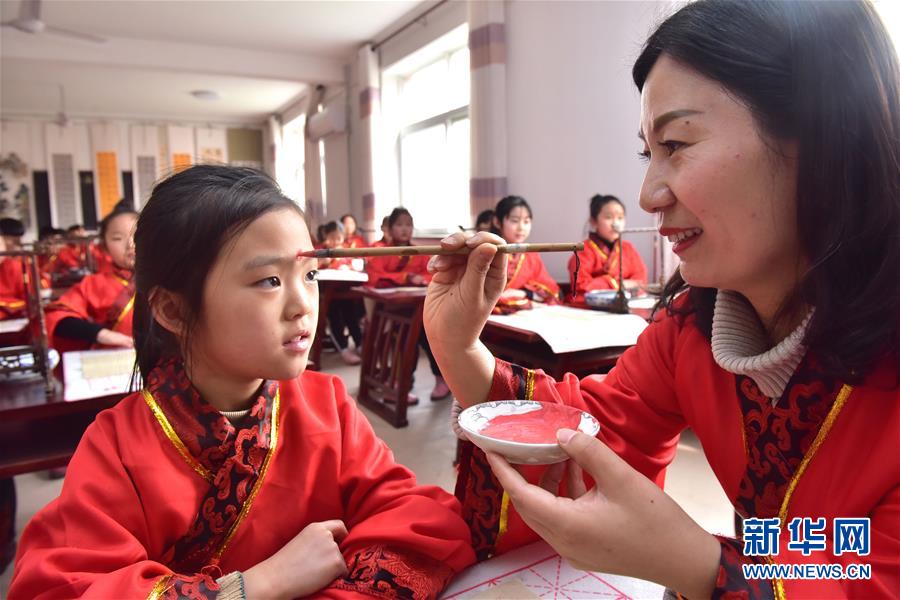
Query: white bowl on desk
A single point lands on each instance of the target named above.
(476, 419)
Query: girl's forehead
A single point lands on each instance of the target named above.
(519, 212)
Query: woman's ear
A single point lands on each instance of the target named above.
(167, 309)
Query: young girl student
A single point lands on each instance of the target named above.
(396, 271)
(778, 338)
(352, 239)
(97, 311)
(343, 313)
(234, 473)
(527, 279)
(601, 258)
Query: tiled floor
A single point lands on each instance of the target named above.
(427, 446)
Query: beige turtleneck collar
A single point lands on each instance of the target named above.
(740, 345)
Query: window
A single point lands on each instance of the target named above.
(289, 168)
(426, 115)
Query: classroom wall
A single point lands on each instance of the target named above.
(573, 111)
(108, 148)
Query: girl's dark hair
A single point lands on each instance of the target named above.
(485, 216)
(349, 216)
(188, 219)
(396, 214)
(118, 211)
(506, 206)
(598, 201)
(824, 75)
(330, 227)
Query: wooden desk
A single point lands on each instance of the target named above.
(39, 432)
(331, 287)
(528, 349)
(537, 571)
(390, 352)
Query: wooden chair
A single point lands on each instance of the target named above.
(390, 355)
(31, 355)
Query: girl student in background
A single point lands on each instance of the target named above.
(396, 271)
(234, 473)
(97, 311)
(527, 279)
(352, 238)
(777, 339)
(601, 258)
(343, 313)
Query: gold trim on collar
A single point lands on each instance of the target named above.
(516, 270)
(529, 384)
(273, 444)
(160, 588)
(842, 397)
(173, 437)
(124, 312)
(602, 254)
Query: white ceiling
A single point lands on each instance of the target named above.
(259, 56)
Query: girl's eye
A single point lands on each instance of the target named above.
(312, 275)
(269, 282)
(644, 155)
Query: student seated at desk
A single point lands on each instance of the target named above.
(97, 311)
(343, 313)
(352, 239)
(385, 234)
(12, 230)
(72, 255)
(398, 271)
(600, 260)
(235, 473)
(12, 285)
(484, 221)
(527, 279)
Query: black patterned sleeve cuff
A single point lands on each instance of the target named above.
(730, 580)
(384, 573)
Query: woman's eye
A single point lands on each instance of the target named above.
(312, 275)
(644, 155)
(671, 146)
(269, 282)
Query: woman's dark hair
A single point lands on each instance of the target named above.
(598, 201)
(485, 216)
(396, 214)
(188, 219)
(506, 206)
(824, 75)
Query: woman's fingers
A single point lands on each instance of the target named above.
(575, 480)
(552, 477)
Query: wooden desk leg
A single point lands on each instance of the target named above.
(315, 352)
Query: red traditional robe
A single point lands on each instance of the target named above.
(395, 271)
(103, 262)
(164, 494)
(355, 241)
(599, 267)
(12, 288)
(102, 298)
(826, 450)
(71, 256)
(526, 271)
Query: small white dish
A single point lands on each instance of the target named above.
(524, 431)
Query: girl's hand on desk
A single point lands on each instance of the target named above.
(305, 565)
(463, 290)
(625, 525)
(107, 337)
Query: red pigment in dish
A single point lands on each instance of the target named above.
(535, 427)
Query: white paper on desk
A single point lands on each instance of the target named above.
(13, 325)
(341, 275)
(539, 569)
(567, 329)
(95, 373)
(406, 289)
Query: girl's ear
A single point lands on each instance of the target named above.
(167, 309)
